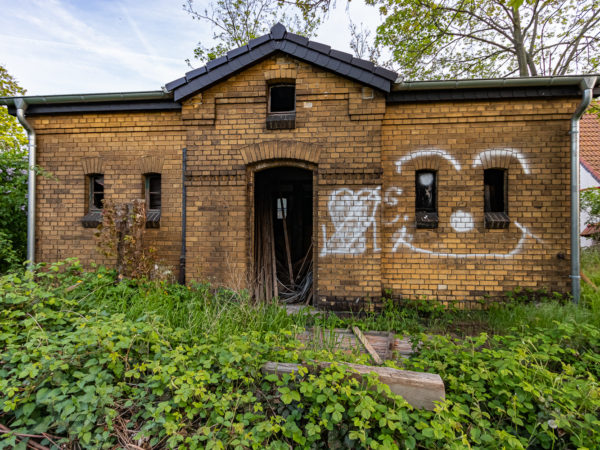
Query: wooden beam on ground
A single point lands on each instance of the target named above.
(419, 389)
(367, 345)
(384, 343)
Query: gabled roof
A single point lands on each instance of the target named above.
(589, 144)
(281, 40)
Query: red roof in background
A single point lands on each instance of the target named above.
(592, 229)
(589, 144)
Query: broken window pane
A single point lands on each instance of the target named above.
(426, 190)
(282, 208)
(96, 191)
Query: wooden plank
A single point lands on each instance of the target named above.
(342, 339)
(419, 389)
(367, 345)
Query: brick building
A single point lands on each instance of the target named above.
(306, 162)
(589, 159)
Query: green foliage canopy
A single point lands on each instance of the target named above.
(433, 39)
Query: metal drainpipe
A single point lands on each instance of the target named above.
(587, 85)
(21, 106)
(183, 218)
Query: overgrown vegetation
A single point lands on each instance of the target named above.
(90, 362)
(13, 181)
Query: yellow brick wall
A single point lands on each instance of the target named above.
(531, 141)
(123, 146)
(226, 127)
(363, 154)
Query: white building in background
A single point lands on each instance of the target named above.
(589, 162)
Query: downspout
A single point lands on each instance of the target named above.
(587, 85)
(183, 218)
(21, 106)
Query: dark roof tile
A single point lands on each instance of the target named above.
(319, 47)
(278, 31)
(175, 83)
(259, 41)
(296, 38)
(237, 52)
(364, 64)
(195, 73)
(343, 56)
(214, 63)
(385, 73)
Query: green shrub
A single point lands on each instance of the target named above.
(88, 373)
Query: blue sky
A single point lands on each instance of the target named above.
(84, 46)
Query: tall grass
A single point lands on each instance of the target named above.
(198, 308)
(221, 313)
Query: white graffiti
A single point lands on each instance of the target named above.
(462, 221)
(390, 199)
(352, 214)
(502, 153)
(403, 239)
(426, 153)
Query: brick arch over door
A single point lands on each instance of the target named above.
(280, 150)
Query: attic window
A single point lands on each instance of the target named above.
(282, 107)
(495, 198)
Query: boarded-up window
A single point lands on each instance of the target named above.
(426, 199)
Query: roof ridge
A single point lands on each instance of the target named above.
(279, 39)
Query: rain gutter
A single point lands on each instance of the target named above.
(587, 86)
(489, 83)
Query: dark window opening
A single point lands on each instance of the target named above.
(282, 107)
(95, 189)
(282, 98)
(153, 200)
(494, 182)
(426, 199)
(495, 198)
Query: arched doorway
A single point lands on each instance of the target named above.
(283, 234)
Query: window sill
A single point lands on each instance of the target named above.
(153, 219)
(281, 121)
(426, 220)
(92, 219)
(496, 220)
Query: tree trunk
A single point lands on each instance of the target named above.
(520, 45)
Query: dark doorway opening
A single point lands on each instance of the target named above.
(283, 219)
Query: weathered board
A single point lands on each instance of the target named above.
(384, 343)
(419, 389)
